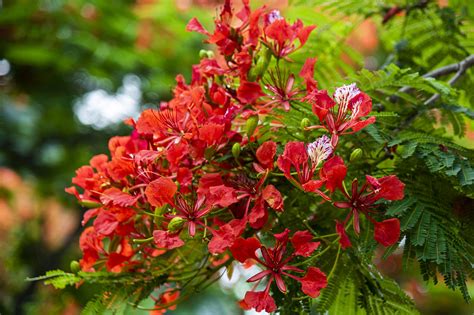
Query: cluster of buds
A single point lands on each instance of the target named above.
(195, 170)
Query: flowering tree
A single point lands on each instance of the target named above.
(253, 163)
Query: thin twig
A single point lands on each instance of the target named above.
(460, 68)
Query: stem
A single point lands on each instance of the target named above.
(335, 262)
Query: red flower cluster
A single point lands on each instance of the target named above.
(276, 262)
(195, 170)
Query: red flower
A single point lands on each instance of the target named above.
(276, 260)
(280, 36)
(352, 106)
(266, 155)
(165, 239)
(281, 87)
(364, 200)
(249, 92)
(226, 236)
(192, 210)
(343, 238)
(387, 232)
(160, 191)
(313, 282)
(307, 73)
(296, 156)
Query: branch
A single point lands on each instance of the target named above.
(460, 68)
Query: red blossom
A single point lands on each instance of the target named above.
(280, 36)
(276, 264)
(114, 196)
(273, 197)
(260, 301)
(352, 105)
(364, 200)
(160, 191)
(249, 92)
(302, 244)
(387, 232)
(165, 239)
(313, 282)
(343, 238)
(266, 154)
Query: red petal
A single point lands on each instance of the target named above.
(304, 33)
(334, 171)
(296, 152)
(225, 236)
(266, 154)
(244, 249)
(249, 92)
(391, 188)
(280, 283)
(302, 244)
(307, 71)
(160, 191)
(105, 223)
(273, 197)
(322, 102)
(313, 282)
(343, 238)
(260, 301)
(222, 195)
(387, 232)
(258, 215)
(114, 196)
(313, 185)
(211, 133)
(195, 26)
(148, 122)
(164, 239)
(362, 124)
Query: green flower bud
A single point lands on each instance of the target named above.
(159, 211)
(236, 150)
(251, 125)
(261, 66)
(206, 54)
(75, 266)
(176, 224)
(305, 122)
(355, 155)
(89, 204)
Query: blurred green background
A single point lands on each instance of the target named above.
(70, 72)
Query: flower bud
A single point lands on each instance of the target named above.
(251, 125)
(305, 122)
(75, 266)
(159, 211)
(355, 155)
(236, 150)
(206, 54)
(260, 67)
(90, 204)
(176, 224)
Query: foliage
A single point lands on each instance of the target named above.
(422, 105)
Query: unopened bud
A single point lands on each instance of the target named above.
(206, 54)
(159, 211)
(355, 155)
(261, 66)
(75, 266)
(236, 150)
(90, 204)
(176, 224)
(251, 125)
(305, 122)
